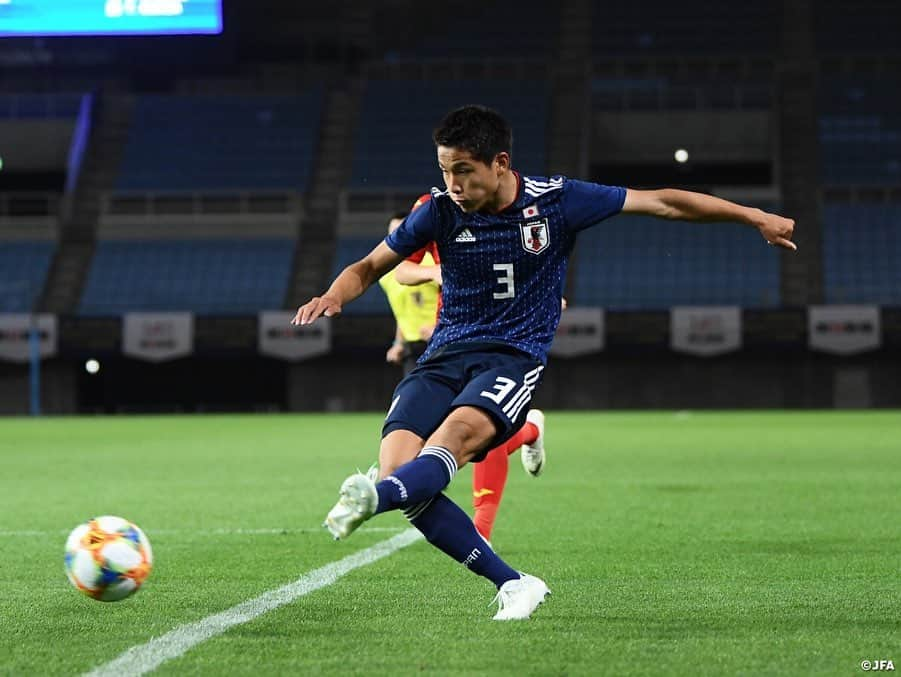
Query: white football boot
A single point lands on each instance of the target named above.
(517, 599)
(358, 501)
(532, 455)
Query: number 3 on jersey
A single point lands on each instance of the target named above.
(505, 280)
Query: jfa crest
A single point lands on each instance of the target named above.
(535, 238)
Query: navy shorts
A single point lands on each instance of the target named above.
(499, 381)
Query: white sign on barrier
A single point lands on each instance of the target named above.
(277, 337)
(705, 330)
(844, 330)
(580, 332)
(157, 337)
(15, 336)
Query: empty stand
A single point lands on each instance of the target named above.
(639, 262)
(394, 142)
(198, 143)
(862, 253)
(700, 27)
(663, 93)
(350, 249)
(860, 131)
(493, 29)
(222, 277)
(23, 269)
(861, 27)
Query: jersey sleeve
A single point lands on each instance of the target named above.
(586, 204)
(415, 232)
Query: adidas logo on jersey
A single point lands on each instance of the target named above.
(465, 236)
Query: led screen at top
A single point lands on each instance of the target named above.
(109, 17)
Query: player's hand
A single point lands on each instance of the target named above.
(317, 306)
(564, 304)
(437, 270)
(425, 333)
(777, 230)
(395, 354)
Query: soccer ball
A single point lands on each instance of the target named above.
(108, 558)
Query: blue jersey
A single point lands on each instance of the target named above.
(504, 273)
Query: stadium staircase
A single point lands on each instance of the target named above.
(570, 124)
(799, 154)
(68, 272)
(312, 265)
(569, 137)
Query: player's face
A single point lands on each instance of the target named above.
(472, 184)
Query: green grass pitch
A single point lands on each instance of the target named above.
(692, 543)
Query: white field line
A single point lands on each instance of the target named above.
(206, 532)
(143, 658)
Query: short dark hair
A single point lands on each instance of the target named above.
(480, 131)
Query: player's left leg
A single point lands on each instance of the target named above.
(416, 487)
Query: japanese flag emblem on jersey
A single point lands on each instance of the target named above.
(530, 212)
(535, 237)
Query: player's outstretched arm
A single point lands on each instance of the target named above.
(350, 283)
(684, 205)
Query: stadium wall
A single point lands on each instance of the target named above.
(637, 370)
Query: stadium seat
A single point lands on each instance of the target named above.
(394, 140)
(860, 131)
(209, 143)
(862, 253)
(23, 269)
(348, 250)
(215, 277)
(642, 263)
(700, 27)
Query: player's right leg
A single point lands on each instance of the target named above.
(533, 455)
(419, 404)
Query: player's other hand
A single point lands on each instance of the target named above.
(777, 230)
(395, 354)
(317, 306)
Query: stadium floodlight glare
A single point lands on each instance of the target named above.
(92, 366)
(681, 156)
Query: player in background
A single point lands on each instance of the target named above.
(504, 241)
(422, 269)
(414, 310)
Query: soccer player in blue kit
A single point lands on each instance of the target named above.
(504, 241)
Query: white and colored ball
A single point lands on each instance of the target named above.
(108, 558)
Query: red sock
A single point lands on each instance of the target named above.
(490, 476)
(488, 480)
(526, 435)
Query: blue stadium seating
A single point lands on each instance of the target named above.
(214, 277)
(639, 263)
(23, 269)
(703, 27)
(494, 29)
(862, 253)
(860, 132)
(677, 94)
(40, 106)
(373, 301)
(197, 143)
(394, 141)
